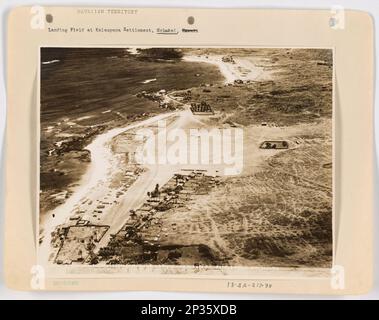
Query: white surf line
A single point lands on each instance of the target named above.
(133, 51)
(51, 61)
(101, 163)
(224, 68)
(149, 80)
(230, 71)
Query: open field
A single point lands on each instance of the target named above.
(275, 212)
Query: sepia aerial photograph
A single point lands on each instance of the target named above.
(186, 156)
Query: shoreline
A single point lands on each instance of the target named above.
(208, 220)
(231, 71)
(100, 163)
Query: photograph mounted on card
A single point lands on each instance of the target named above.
(185, 155)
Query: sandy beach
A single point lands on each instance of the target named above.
(242, 68)
(123, 212)
(93, 183)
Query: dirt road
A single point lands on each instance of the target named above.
(137, 193)
(92, 185)
(104, 165)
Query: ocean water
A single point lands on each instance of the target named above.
(81, 81)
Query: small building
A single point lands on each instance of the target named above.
(274, 144)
